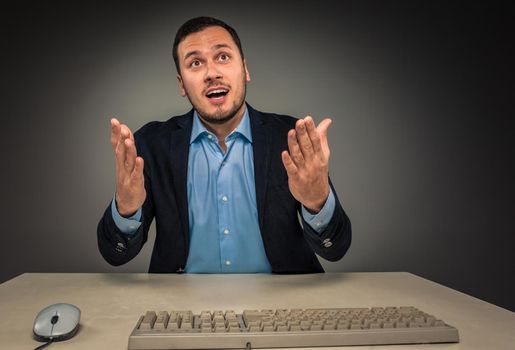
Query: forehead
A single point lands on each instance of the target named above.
(205, 40)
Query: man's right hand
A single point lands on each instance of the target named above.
(130, 182)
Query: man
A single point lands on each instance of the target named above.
(224, 182)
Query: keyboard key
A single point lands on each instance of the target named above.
(234, 329)
(329, 326)
(219, 329)
(148, 320)
(316, 327)
(161, 320)
(254, 329)
(253, 315)
(281, 328)
(268, 328)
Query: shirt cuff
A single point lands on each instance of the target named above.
(129, 225)
(320, 220)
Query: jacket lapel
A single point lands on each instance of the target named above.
(179, 152)
(261, 147)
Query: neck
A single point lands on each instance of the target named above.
(223, 130)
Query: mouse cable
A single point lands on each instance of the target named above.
(44, 345)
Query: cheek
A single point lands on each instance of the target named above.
(193, 86)
(237, 77)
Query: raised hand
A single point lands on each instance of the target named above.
(130, 183)
(307, 163)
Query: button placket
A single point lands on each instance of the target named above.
(223, 184)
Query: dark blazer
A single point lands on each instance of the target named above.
(164, 146)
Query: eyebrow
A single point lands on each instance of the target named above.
(214, 47)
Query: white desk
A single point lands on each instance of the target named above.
(112, 303)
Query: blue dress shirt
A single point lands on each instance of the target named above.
(223, 219)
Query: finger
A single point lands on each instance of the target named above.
(121, 149)
(322, 132)
(323, 126)
(130, 155)
(289, 165)
(126, 132)
(303, 139)
(293, 146)
(313, 134)
(137, 172)
(115, 132)
(120, 157)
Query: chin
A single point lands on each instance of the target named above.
(218, 117)
(218, 114)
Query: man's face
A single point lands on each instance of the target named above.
(212, 74)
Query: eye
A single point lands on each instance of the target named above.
(223, 57)
(195, 63)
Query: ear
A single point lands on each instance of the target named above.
(247, 74)
(181, 85)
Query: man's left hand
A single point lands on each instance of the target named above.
(307, 163)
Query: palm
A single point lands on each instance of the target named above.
(307, 163)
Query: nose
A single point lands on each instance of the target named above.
(212, 71)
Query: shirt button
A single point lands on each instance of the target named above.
(226, 231)
(209, 136)
(224, 162)
(225, 199)
(227, 262)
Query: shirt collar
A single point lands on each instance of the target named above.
(243, 128)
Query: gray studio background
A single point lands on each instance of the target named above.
(421, 96)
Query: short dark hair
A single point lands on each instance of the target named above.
(196, 25)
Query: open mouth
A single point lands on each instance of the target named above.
(217, 93)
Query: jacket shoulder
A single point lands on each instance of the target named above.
(158, 129)
(274, 120)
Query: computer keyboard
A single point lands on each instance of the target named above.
(288, 328)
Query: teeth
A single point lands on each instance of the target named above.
(216, 91)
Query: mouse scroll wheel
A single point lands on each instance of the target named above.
(54, 319)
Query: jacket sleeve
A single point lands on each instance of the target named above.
(332, 243)
(116, 247)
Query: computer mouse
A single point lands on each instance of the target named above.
(57, 322)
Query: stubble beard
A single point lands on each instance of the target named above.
(219, 116)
